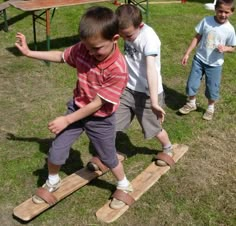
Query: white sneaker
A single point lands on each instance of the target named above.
(187, 108)
(208, 115)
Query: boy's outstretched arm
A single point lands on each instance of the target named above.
(152, 78)
(192, 45)
(21, 44)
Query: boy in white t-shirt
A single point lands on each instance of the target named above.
(215, 36)
(144, 95)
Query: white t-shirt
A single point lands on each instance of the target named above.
(147, 43)
(214, 34)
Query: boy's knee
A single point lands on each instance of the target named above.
(111, 163)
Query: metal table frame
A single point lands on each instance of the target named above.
(144, 7)
(43, 16)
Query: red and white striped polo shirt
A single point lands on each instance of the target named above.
(106, 79)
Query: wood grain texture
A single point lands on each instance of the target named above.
(140, 184)
(34, 5)
(28, 209)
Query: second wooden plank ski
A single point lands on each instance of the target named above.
(140, 184)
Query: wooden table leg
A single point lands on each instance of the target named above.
(48, 28)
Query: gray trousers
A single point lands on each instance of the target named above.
(101, 132)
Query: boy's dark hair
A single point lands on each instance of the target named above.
(98, 20)
(225, 2)
(129, 15)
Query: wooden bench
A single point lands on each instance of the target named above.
(44, 6)
(3, 12)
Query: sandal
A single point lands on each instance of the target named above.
(44, 194)
(164, 159)
(120, 197)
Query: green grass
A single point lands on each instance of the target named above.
(199, 190)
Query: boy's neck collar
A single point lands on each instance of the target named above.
(110, 59)
(215, 18)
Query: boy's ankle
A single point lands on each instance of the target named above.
(192, 102)
(167, 149)
(128, 188)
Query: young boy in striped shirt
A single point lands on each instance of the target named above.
(101, 79)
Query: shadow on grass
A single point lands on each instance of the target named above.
(74, 161)
(125, 146)
(14, 19)
(175, 100)
(72, 164)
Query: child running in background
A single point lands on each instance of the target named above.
(144, 95)
(215, 36)
(102, 77)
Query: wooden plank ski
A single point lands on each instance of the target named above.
(140, 184)
(28, 209)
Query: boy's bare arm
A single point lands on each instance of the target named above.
(226, 49)
(21, 44)
(192, 46)
(152, 78)
(60, 123)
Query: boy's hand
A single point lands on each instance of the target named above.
(21, 44)
(221, 48)
(185, 60)
(159, 112)
(58, 124)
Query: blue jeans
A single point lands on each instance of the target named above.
(212, 79)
